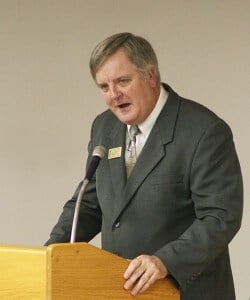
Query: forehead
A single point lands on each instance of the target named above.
(116, 65)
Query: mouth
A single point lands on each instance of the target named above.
(123, 105)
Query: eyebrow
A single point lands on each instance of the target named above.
(116, 80)
(101, 85)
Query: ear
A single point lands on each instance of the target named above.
(152, 77)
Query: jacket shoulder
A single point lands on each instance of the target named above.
(190, 110)
(105, 121)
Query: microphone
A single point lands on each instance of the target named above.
(98, 153)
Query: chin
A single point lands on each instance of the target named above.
(125, 120)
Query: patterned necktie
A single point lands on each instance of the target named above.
(133, 131)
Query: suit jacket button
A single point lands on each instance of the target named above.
(117, 224)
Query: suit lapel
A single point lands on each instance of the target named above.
(153, 151)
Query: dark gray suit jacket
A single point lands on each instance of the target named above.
(182, 202)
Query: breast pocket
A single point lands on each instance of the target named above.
(169, 188)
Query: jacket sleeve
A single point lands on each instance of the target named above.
(217, 194)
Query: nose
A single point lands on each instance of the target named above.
(115, 93)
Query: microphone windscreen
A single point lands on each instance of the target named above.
(98, 153)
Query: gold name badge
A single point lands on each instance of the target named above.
(115, 153)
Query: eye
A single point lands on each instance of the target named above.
(104, 87)
(123, 81)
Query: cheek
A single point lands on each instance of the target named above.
(132, 95)
(106, 99)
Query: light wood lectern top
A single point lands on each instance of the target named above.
(69, 272)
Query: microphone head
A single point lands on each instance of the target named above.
(99, 151)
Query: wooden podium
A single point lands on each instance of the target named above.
(69, 272)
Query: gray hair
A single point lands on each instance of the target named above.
(138, 50)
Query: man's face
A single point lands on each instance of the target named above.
(127, 93)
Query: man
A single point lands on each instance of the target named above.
(176, 211)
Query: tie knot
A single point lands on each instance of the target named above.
(133, 131)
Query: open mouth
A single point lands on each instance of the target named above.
(124, 105)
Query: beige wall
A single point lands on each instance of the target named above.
(48, 99)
